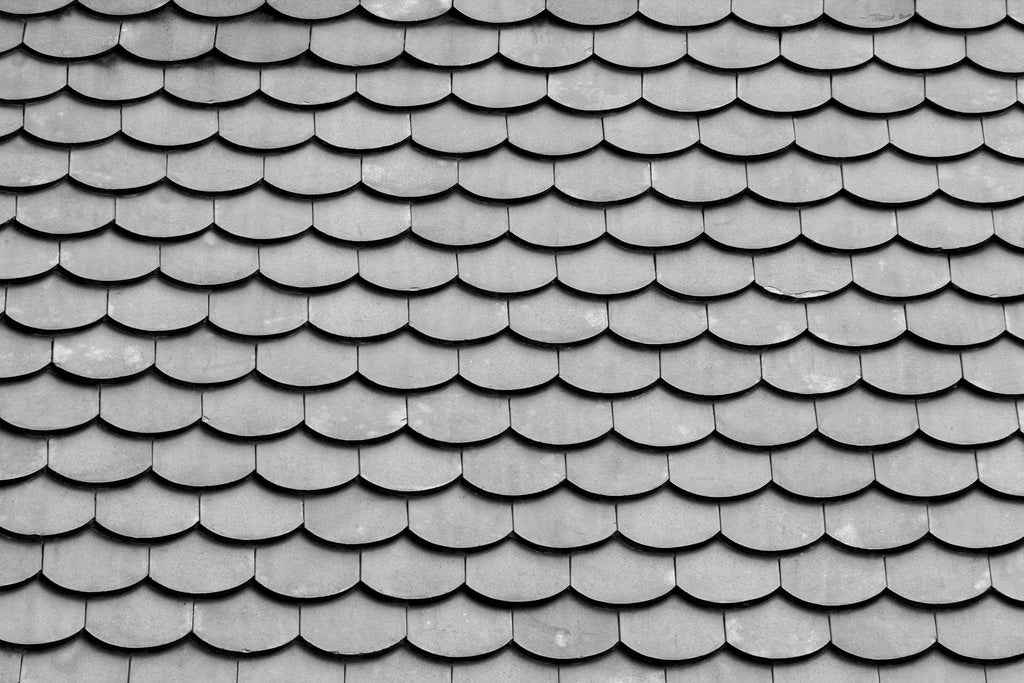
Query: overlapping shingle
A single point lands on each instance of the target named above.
(567, 340)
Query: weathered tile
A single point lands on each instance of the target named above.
(875, 521)
(719, 574)
(24, 76)
(49, 211)
(167, 36)
(403, 84)
(917, 46)
(930, 574)
(565, 629)
(658, 418)
(908, 368)
(89, 257)
(456, 414)
(252, 409)
(556, 223)
(279, 41)
(451, 41)
(353, 412)
(292, 661)
(776, 629)
(709, 368)
(963, 418)
(45, 403)
(399, 665)
(733, 45)
(74, 659)
(112, 79)
(875, 89)
(494, 85)
(554, 316)
(826, 46)
(898, 271)
(756, 319)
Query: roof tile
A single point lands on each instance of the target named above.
(115, 80)
(248, 512)
(43, 506)
(605, 366)
(268, 624)
(772, 522)
(667, 519)
(817, 469)
(25, 255)
(45, 403)
(976, 520)
(776, 629)
(513, 573)
(128, 510)
(196, 564)
(826, 46)
(810, 576)
(699, 470)
(24, 76)
(733, 45)
(932, 575)
(282, 40)
(296, 567)
(96, 456)
(345, 625)
(836, 133)
(882, 630)
(875, 521)
(22, 354)
(566, 628)
(988, 629)
(875, 89)
(292, 661)
(658, 418)
(688, 88)
(403, 84)
(654, 317)
(62, 618)
(738, 131)
(301, 463)
(435, 128)
(469, 628)
(91, 563)
(997, 467)
(763, 89)
(167, 36)
(457, 314)
(582, 521)
(616, 574)
(304, 81)
(163, 212)
(506, 467)
(455, 414)
(496, 86)
(402, 464)
(920, 469)
(917, 46)
(860, 418)
(69, 120)
(141, 618)
(198, 458)
(355, 514)
(751, 224)
(449, 41)
(403, 569)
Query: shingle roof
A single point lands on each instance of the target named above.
(511, 340)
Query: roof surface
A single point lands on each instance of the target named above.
(511, 340)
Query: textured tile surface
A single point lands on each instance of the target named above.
(486, 340)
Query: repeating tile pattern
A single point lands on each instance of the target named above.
(487, 340)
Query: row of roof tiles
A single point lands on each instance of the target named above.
(80, 656)
(457, 518)
(552, 316)
(405, 362)
(713, 469)
(545, 130)
(695, 176)
(357, 41)
(589, 87)
(297, 568)
(564, 629)
(958, 14)
(457, 221)
(698, 270)
(554, 416)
